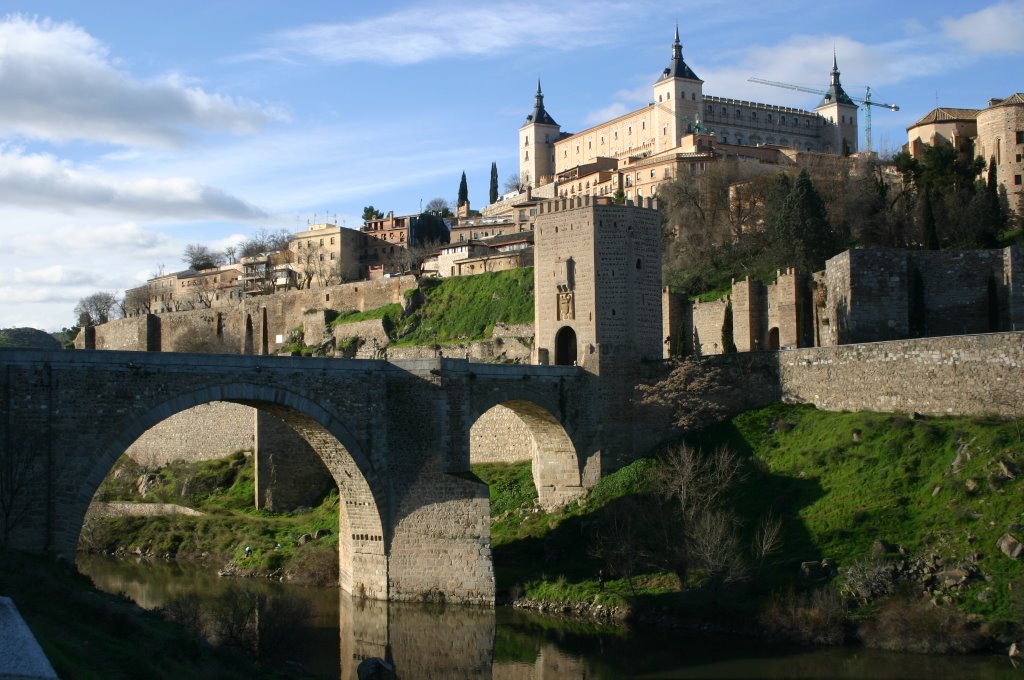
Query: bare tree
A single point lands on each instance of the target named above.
(704, 534)
(264, 241)
(438, 206)
(704, 391)
(197, 256)
(767, 538)
(136, 301)
(696, 480)
(20, 469)
(100, 307)
(516, 182)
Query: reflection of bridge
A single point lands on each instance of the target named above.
(395, 438)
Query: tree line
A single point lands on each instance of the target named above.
(730, 222)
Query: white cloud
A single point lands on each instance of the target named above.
(126, 238)
(43, 182)
(59, 83)
(418, 34)
(995, 29)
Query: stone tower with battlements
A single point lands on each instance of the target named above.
(597, 305)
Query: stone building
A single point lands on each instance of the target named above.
(861, 296)
(325, 254)
(681, 126)
(995, 132)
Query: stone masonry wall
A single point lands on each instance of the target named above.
(707, 319)
(499, 436)
(955, 290)
(202, 432)
(962, 375)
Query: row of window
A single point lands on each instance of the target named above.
(682, 95)
(793, 120)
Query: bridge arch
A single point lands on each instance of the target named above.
(521, 426)
(363, 542)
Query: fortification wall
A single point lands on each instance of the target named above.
(962, 375)
(122, 334)
(202, 432)
(957, 289)
(706, 321)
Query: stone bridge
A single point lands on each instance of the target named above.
(413, 521)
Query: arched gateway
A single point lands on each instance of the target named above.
(393, 436)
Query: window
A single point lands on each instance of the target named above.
(654, 173)
(782, 120)
(332, 256)
(668, 95)
(332, 240)
(738, 114)
(693, 96)
(769, 117)
(753, 115)
(527, 140)
(1020, 136)
(659, 97)
(1016, 180)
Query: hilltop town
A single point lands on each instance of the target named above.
(870, 254)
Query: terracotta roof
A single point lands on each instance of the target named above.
(946, 115)
(1016, 98)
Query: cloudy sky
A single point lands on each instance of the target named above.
(130, 129)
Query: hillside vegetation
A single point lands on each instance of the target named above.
(223, 490)
(456, 309)
(908, 510)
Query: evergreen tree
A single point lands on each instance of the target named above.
(463, 191)
(803, 233)
(493, 195)
(929, 232)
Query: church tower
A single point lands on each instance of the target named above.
(537, 139)
(841, 112)
(678, 97)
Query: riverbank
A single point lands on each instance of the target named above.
(892, 532)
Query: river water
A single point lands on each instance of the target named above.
(329, 634)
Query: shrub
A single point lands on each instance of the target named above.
(867, 579)
(314, 565)
(905, 625)
(816, 618)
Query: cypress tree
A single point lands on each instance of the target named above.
(930, 232)
(463, 191)
(803, 227)
(494, 182)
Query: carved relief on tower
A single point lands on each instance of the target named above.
(565, 281)
(566, 305)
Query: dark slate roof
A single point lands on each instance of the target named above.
(835, 92)
(677, 68)
(539, 115)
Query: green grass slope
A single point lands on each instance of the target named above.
(838, 481)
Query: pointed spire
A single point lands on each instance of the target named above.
(539, 115)
(677, 68)
(835, 93)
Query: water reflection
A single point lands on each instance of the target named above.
(432, 641)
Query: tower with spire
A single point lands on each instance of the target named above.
(840, 111)
(537, 139)
(678, 97)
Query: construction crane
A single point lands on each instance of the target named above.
(866, 101)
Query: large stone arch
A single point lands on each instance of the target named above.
(363, 540)
(553, 453)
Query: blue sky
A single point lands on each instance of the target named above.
(128, 129)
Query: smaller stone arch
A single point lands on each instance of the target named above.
(520, 429)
